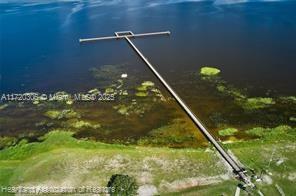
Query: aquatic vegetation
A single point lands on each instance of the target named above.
(257, 103)
(122, 109)
(109, 90)
(133, 108)
(44, 123)
(124, 93)
(176, 134)
(228, 132)
(141, 94)
(142, 88)
(271, 132)
(78, 124)
(7, 141)
(209, 71)
(240, 98)
(257, 131)
(147, 83)
(221, 88)
(159, 94)
(231, 91)
(290, 99)
(146, 87)
(60, 114)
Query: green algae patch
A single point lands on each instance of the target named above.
(142, 88)
(290, 99)
(122, 109)
(145, 86)
(221, 88)
(257, 103)
(109, 90)
(141, 94)
(276, 132)
(227, 132)
(256, 131)
(147, 83)
(78, 124)
(7, 141)
(61, 114)
(53, 114)
(177, 134)
(231, 91)
(209, 71)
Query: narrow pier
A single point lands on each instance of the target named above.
(237, 169)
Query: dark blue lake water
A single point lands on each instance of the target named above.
(252, 43)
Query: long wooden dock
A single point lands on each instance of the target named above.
(125, 34)
(237, 169)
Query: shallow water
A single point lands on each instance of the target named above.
(253, 44)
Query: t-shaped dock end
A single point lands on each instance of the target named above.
(125, 34)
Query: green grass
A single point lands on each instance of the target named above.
(62, 159)
(226, 188)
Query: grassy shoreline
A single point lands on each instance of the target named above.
(187, 171)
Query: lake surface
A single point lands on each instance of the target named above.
(252, 43)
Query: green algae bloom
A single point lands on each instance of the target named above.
(147, 83)
(142, 88)
(291, 99)
(257, 103)
(233, 92)
(209, 71)
(221, 88)
(228, 132)
(142, 94)
(7, 141)
(256, 131)
(109, 90)
(123, 110)
(270, 132)
(78, 124)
